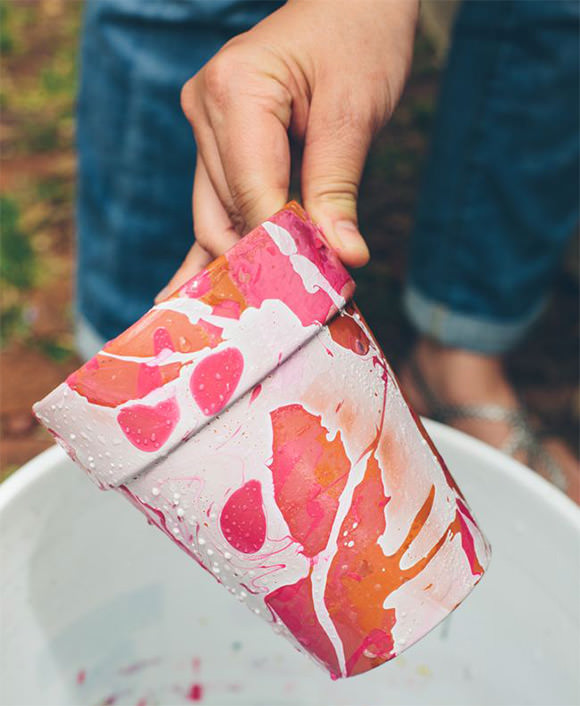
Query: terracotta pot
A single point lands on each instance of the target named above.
(254, 419)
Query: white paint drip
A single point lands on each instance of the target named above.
(175, 357)
(193, 308)
(312, 278)
(282, 238)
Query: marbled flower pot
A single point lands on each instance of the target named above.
(254, 419)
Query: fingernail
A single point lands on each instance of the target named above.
(349, 238)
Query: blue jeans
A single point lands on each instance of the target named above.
(500, 194)
(136, 149)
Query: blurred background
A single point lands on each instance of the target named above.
(38, 46)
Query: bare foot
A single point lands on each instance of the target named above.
(460, 377)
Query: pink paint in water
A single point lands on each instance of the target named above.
(138, 666)
(148, 428)
(215, 379)
(242, 520)
(195, 693)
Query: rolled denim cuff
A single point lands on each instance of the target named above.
(88, 342)
(470, 332)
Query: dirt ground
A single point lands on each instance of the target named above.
(38, 45)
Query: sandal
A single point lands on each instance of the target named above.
(522, 438)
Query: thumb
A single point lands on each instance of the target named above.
(335, 151)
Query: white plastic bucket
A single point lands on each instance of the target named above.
(87, 619)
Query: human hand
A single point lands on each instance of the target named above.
(328, 73)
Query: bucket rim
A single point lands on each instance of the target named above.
(525, 476)
(45, 462)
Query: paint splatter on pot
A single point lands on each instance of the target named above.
(254, 419)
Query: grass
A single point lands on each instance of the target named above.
(18, 264)
(38, 44)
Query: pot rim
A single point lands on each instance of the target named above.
(287, 280)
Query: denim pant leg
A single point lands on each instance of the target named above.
(500, 196)
(136, 149)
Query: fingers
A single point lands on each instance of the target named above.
(334, 155)
(196, 259)
(213, 227)
(214, 232)
(254, 146)
(240, 116)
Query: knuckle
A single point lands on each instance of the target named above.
(239, 211)
(244, 203)
(219, 78)
(206, 241)
(188, 99)
(364, 123)
(247, 191)
(203, 237)
(361, 116)
(339, 192)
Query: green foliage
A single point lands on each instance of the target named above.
(54, 190)
(59, 78)
(12, 324)
(42, 138)
(39, 87)
(15, 19)
(56, 349)
(6, 36)
(17, 258)
(38, 43)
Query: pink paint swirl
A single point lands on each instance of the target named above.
(149, 427)
(215, 379)
(243, 521)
